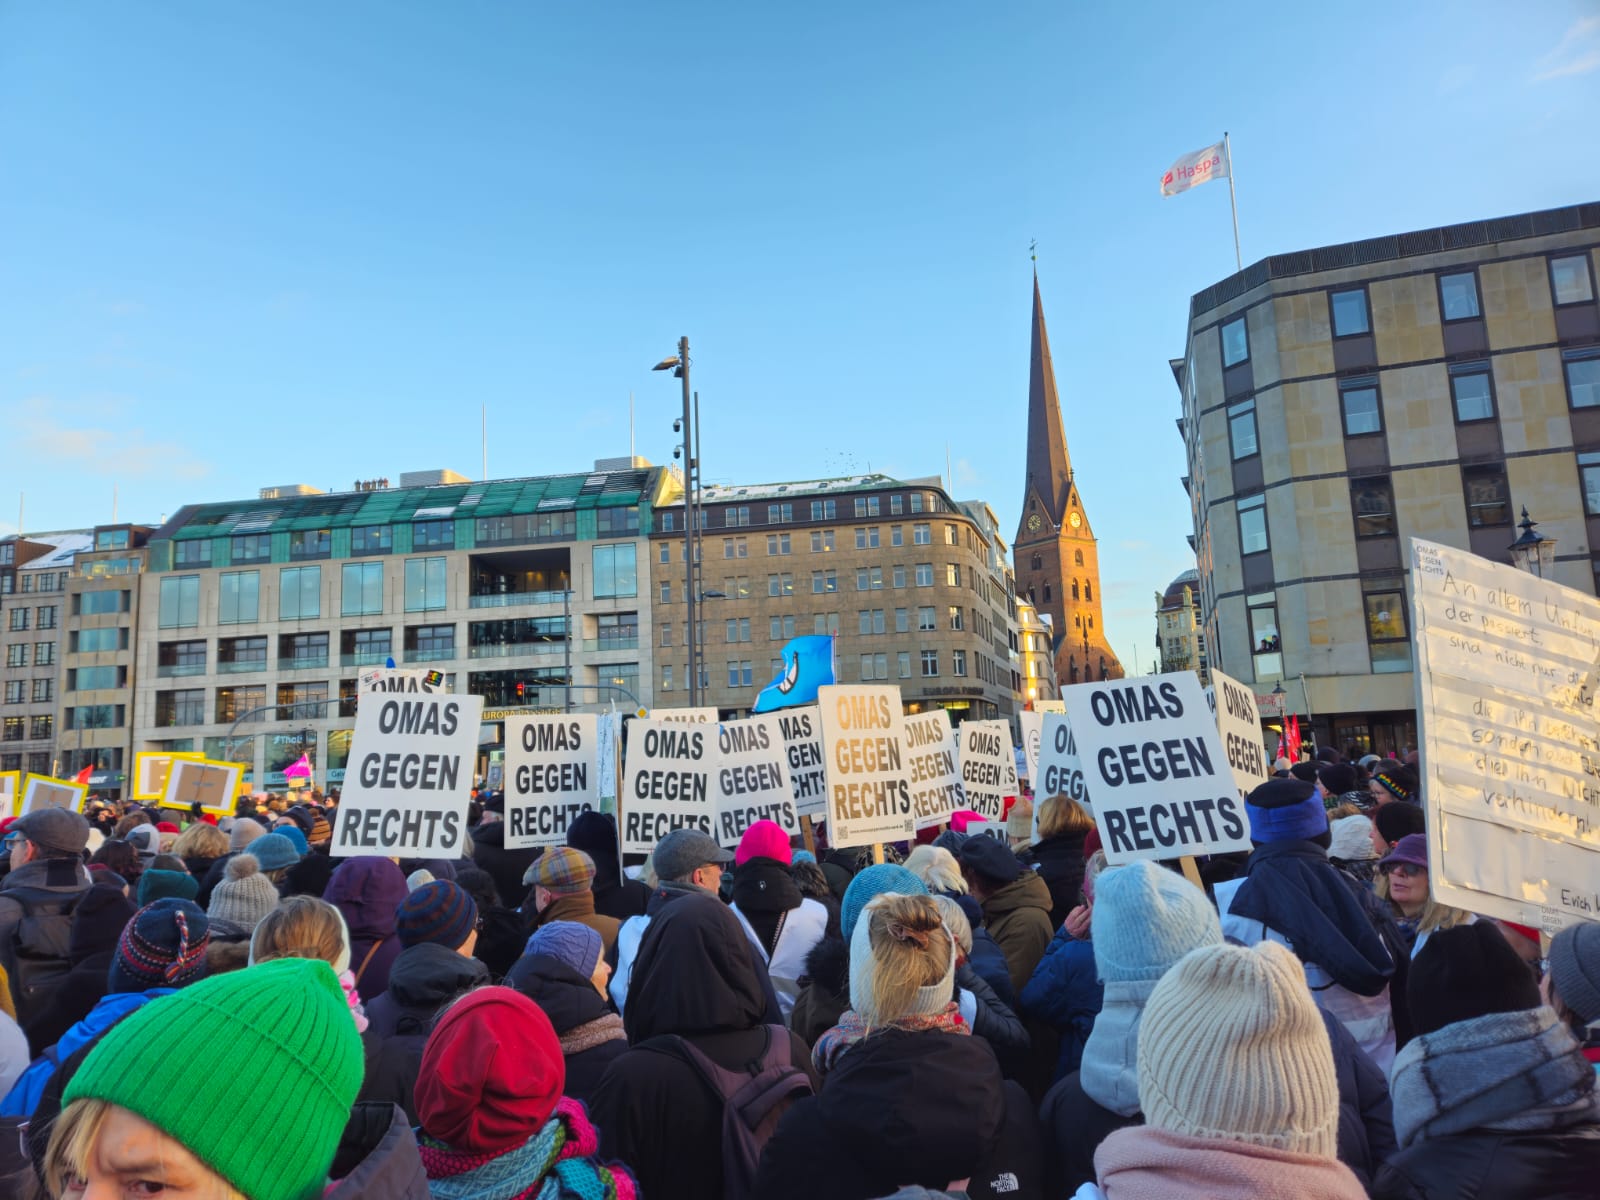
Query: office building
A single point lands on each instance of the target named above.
(34, 572)
(1180, 638)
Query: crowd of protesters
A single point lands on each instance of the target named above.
(199, 1008)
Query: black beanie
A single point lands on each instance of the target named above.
(1337, 778)
(1327, 754)
(1466, 972)
(98, 921)
(1396, 820)
(1305, 772)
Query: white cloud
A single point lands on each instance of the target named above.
(43, 431)
(1577, 53)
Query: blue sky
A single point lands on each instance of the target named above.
(251, 244)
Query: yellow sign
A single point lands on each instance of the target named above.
(211, 785)
(150, 770)
(10, 792)
(41, 791)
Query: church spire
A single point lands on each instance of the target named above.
(1049, 466)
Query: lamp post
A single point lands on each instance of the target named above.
(1532, 552)
(679, 366)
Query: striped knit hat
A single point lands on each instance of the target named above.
(164, 946)
(440, 912)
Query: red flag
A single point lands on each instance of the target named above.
(1294, 739)
(83, 776)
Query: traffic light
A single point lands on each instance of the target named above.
(521, 687)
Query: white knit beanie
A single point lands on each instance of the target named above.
(929, 1001)
(1233, 1048)
(1352, 839)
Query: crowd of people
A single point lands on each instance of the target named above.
(204, 1008)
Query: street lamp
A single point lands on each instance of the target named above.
(679, 366)
(1532, 552)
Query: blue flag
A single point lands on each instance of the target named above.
(807, 665)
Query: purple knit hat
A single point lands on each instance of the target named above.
(163, 946)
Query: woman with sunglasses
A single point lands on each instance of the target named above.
(1403, 882)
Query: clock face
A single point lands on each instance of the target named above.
(1033, 521)
(1074, 520)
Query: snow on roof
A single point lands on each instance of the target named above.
(67, 547)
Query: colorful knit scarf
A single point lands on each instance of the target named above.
(554, 1164)
(852, 1029)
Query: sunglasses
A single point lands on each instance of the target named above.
(1405, 870)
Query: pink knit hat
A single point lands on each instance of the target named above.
(764, 839)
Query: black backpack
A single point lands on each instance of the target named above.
(36, 952)
(753, 1099)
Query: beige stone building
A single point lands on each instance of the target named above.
(34, 572)
(1180, 638)
(1036, 662)
(1337, 402)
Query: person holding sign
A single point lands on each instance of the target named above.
(1015, 902)
(781, 922)
(1057, 853)
(1291, 894)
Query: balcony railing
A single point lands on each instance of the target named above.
(238, 665)
(510, 599)
(302, 662)
(597, 645)
(175, 670)
(514, 649)
(365, 658)
(416, 656)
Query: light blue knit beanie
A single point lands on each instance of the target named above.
(1145, 919)
(871, 883)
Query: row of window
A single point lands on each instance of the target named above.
(738, 516)
(36, 763)
(36, 582)
(868, 537)
(44, 654)
(22, 729)
(25, 691)
(1571, 282)
(1383, 607)
(23, 617)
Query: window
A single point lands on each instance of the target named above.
(430, 643)
(738, 629)
(824, 510)
(896, 505)
(930, 663)
(903, 664)
(1253, 525)
(1349, 312)
(741, 674)
(1387, 638)
(924, 574)
(902, 620)
(1583, 377)
(869, 579)
(781, 628)
(186, 707)
(666, 678)
(297, 651)
(958, 662)
(921, 534)
(46, 614)
(952, 574)
(952, 535)
(866, 537)
(872, 620)
(40, 727)
(172, 658)
(15, 690)
(735, 548)
(824, 581)
(777, 513)
(251, 547)
(239, 597)
(955, 617)
(371, 539)
(1266, 647)
(898, 575)
(180, 602)
(866, 506)
(17, 654)
(241, 654)
(363, 590)
(196, 552)
(1242, 429)
(1373, 501)
(736, 516)
(96, 716)
(821, 541)
(669, 522)
(1589, 472)
(1363, 413)
(427, 582)
(736, 586)
(1569, 279)
(1488, 500)
(44, 653)
(234, 702)
(778, 543)
(927, 619)
(310, 543)
(1077, 558)
(825, 623)
(616, 574)
(301, 701)
(1472, 392)
(1458, 296)
(666, 592)
(1235, 343)
(620, 521)
(780, 585)
(299, 593)
(16, 729)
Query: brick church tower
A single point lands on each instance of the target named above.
(1057, 560)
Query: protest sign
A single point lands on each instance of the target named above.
(1508, 669)
(752, 778)
(550, 777)
(9, 782)
(41, 791)
(693, 716)
(988, 829)
(1060, 768)
(863, 740)
(211, 785)
(933, 768)
(988, 768)
(400, 679)
(410, 777)
(1161, 783)
(1239, 723)
(150, 772)
(666, 783)
(607, 734)
(1032, 724)
(802, 745)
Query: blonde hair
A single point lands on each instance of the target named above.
(1061, 814)
(72, 1144)
(956, 922)
(911, 950)
(1339, 811)
(201, 841)
(1433, 915)
(302, 927)
(1091, 871)
(937, 868)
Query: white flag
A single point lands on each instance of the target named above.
(1194, 169)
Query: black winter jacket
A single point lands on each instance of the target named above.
(826, 991)
(1059, 862)
(1366, 1116)
(615, 895)
(1485, 1165)
(571, 1002)
(424, 979)
(506, 867)
(377, 1158)
(928, 1108)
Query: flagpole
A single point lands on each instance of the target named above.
(1233, 202)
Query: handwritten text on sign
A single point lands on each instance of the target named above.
(752, 782)
(863, 731)
(410, 776)
(933, 767)
(666, 784)
(1508, 673)
(1161, 784)
(550, 777)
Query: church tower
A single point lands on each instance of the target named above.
(1057, 560)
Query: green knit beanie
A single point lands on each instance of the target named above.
(211, 1063)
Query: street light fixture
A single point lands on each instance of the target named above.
(1532, 552)
(679, 366)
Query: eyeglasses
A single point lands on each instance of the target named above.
(1405, 870)
(10, 840)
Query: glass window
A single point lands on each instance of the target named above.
(1569, 279)
(824, 510)
(1235, 343)
(927, 619)
(778, 543)
(430, 643)
(298, 650)
(111, 539)
(930, 663)
(1373, 501)
(186, 707)
(310, 543)
(239, 597)
(952, 536)
(903, 664)
(958, 662)
(1242, 429)
(1458, 296)
(924, 574)
(897, 535)
(252, 547)
(1349, 312)
(1488, 500)
(40, 727)
(299, 593)
(616, 572)
(241, 654)
(180, 602)
(902, 620)
(922, 534)
(825, 623)
(17, 654)
(1583, 377)
(19, 618)
(777, 513)
(1363, 413)
(91, 679)
(1253, 525)
(371, 539)
(1589, 472)
(821, 541)
(1470, 388)
(196, 552)
(47, 615)
(1266, 646)
(1387, 638)
(956, 617)
(427, 582)
(433, 535)
(867, 537)
(952, 574)
(363, 590)
(620, 521)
